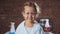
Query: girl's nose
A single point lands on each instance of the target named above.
(30, 15)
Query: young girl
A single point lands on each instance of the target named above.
(29, 25)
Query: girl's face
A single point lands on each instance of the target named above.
(29, 13)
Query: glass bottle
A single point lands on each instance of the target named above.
(12, 28)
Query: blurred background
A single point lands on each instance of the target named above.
(10, 11)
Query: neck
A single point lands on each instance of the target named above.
(29, 24)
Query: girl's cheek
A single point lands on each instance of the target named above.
(34, 17)
(26, 17)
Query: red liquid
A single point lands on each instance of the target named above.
(47, 28)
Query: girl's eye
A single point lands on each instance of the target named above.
(31, 13)
(27, 13)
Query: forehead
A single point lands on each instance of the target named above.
(29, 8)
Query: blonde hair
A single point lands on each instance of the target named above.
(31, 4)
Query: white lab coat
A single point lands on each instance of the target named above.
(37, 29)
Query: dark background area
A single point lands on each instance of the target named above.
(10, 10)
